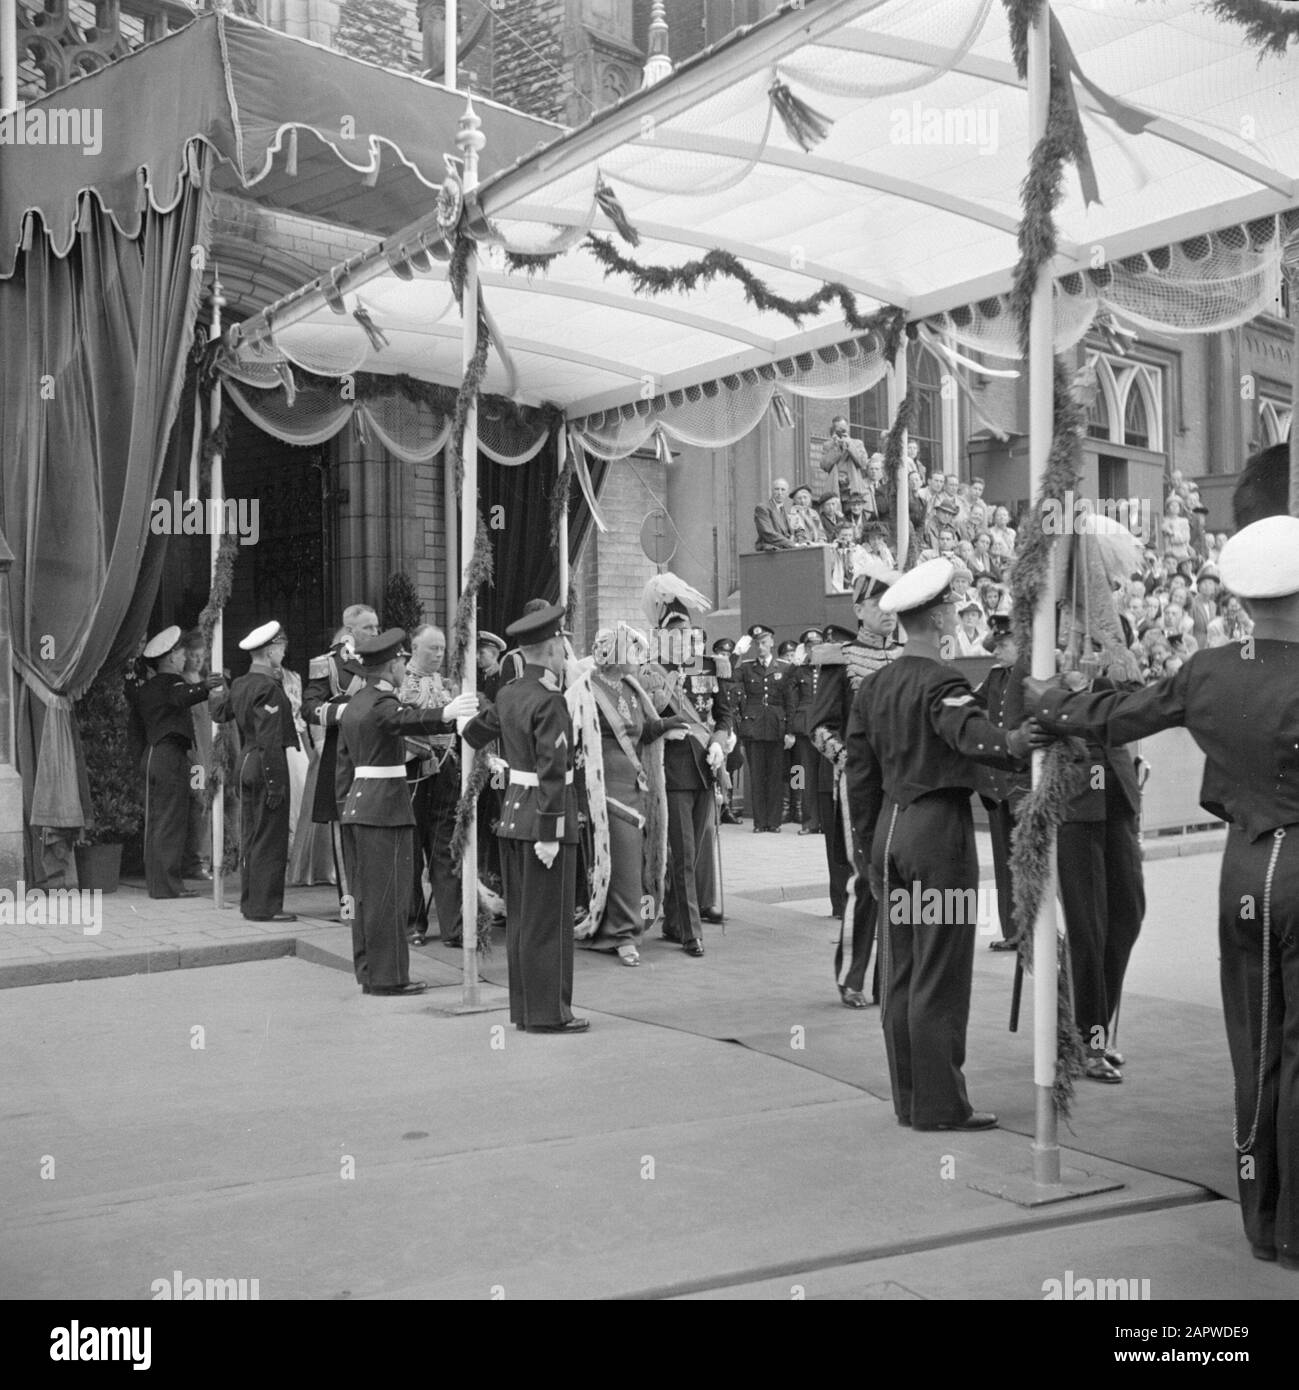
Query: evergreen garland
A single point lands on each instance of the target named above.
(559, 497)
(1269, 27)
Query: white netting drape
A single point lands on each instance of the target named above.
(409, 429)
(720, 412)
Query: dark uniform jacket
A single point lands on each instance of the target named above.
(843, 668)
(762, 699)
(532, 722)
(1243, 713)
(915, 728)
(801, 686)
(164, 704)
(1003, 698)
(260, 707)
(331, 681)
(709, 719)
(371, 734)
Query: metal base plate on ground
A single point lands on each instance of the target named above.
(1020, 1188)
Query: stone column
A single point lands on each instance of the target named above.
(11, 784)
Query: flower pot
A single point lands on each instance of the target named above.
(98, 866)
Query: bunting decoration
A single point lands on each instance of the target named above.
(608, 202)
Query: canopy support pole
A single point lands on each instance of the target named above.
(470, 141)
(1290, 269)
(561, 459)
(1041, 352)
(8, 56)
(897, 393)
(450, 43)
(217, 508)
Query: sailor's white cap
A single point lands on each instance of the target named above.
(166, 641)
(918, 587)
(1262, 561)
(260, 637)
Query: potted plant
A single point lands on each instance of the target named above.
(116, 811)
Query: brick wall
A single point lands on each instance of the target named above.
(612, 569)
(527, 57)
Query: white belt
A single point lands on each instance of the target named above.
(386, 770)
(530, 779)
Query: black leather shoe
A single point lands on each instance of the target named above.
(730, 818)
(693, 948)
(574, 1025)
(1003, 945)
(188, 893)
(456, 942)
(853, 998)
(977, 1120)
(759, 829)
(1115, 1059)
(410, 987)
(278, 917)
(713, 917)
(1264, 1252)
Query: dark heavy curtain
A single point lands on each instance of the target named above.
(527, 565)
(92, 360)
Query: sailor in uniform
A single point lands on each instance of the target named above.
(1240, 703)
(724, 669)
(376, 819)
(801, 686)
(538, 829)
(332, 680)
(263, 714)
(912, 771)
(163, 705)
(763, 727)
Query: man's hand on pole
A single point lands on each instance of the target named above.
(546, 851)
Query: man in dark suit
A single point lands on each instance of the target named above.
(771, 520)
(764, 728)
(260, 708)
(692, 758)
(376, 816)
(332, 680)
(801, 685)
(538, 829)
(164, 705)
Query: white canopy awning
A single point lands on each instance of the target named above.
(911, 199)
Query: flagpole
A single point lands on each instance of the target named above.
(450, 42)
(561, 458)
(8, 56)
(1041, 359)
(217, 505)
(470, 141)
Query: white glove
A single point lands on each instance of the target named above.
(547, 851)
(743, 645)
(715, 756)
(800, 655)
(498, 764)
(462, 707)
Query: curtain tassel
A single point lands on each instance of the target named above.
(378, 338)
(662, 449)
(608, 203)
(806, 126)
(780, 409)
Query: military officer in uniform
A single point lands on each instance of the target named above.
(801, 685)
(260, 708)
(833, 700)
(693, 758)
(701, 690)
(911, 771)
(164, 705)
(1002, 792)
(370, 784)
(490, 650)
(1240, 703)
(332, 680)
(832, 720)
(764, 729)
(538, 829)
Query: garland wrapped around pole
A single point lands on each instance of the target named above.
(1270, 28)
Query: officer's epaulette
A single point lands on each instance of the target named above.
(319, 667)
(828, 654)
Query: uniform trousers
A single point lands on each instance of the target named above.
(927, 969)
(166, 817)
(1268, 1173)
(379, 860)
(539, 904)
(808, 763)
(836, 851)
(1001, 825)
(857, 930)
(1103, 892)
(434, 804)
(766, 760)
(690, 814)
(263, 841)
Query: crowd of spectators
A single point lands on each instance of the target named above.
(1168, 610)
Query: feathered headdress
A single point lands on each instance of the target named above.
(664, 593)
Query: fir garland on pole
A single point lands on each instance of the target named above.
(1270, 28)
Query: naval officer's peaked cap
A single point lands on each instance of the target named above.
(918, 588)
(380, 650)
(261, 637)
(1262, 561)
(535, 628)
(166, 641)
